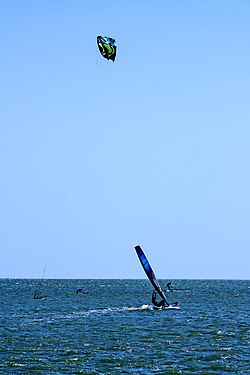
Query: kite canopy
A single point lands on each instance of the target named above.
(107, 47)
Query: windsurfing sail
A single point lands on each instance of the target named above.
(150, 273)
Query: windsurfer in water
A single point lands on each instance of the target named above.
(169, 286)
(37, 295)
(80, 290)
(162, 303)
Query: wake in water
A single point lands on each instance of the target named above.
(111, 310)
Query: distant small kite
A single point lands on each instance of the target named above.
(107, 47)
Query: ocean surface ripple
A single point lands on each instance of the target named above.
(111, 328)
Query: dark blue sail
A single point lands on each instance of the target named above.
(150, 273)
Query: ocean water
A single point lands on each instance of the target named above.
(113, 329)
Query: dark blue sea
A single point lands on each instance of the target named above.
(112, 328)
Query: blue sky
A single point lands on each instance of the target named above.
(96, 157)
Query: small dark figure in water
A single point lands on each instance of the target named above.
(162, 303)
(169, 286)
(80, 290)
(37, 295)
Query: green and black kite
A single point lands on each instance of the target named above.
(107, 47)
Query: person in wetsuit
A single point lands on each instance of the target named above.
(169, 286)
(162, 303)
(37, 295)
(80, 290)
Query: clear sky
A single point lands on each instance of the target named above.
(153, 149)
